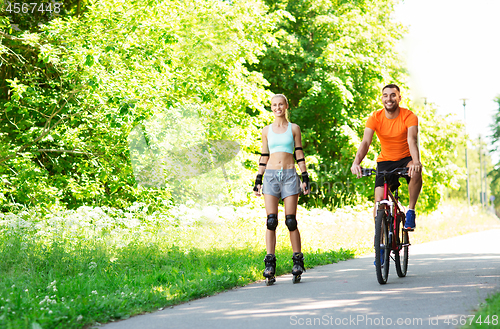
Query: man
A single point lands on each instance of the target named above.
(397, 130)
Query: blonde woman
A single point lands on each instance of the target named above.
(281, 145)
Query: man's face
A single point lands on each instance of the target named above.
(391, 99)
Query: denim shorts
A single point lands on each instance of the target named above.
(281, 182)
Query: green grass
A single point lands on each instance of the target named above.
(488, 315)
(55, 287)
(77, 268)
(453, 219)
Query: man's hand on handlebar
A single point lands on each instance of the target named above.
(414, 168)
(356, 170)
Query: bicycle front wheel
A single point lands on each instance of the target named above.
(403, 242)
(382, 246)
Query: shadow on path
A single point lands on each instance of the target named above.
(439, 286)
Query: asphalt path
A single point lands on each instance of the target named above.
(446, 282)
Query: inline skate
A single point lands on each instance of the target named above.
(270, 269)
(298, 266)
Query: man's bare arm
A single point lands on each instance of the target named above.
(362, 151)
(416, 165)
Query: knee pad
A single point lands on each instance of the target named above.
(291, 222)
(272, 222)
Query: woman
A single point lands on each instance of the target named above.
(281, 145)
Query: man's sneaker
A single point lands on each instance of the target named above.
(410, 220)
(381, 258)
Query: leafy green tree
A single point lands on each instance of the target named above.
(74, 89)
(495, 173)
(90, 80)
(24, 180)
(331, 58)
(18, 17)
(479, 162)
(495, 127)
(440, 142)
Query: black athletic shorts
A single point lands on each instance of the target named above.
(393, 180)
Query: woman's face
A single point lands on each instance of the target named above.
(278, 106)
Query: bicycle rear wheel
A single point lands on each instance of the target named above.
(382, 243)
(403, 242)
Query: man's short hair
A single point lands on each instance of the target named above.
(391, 85)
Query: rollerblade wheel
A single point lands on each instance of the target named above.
(296, 278)
(270, 281)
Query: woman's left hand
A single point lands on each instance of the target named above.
(304, 185)
(258, 192)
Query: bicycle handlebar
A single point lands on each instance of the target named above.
(397, 171)
(367, 171)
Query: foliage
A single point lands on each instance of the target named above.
(480, 165)
(56, 268)
(495, 126)
(71, 269)
(440, 140)
(453, 218)
(77, 86)
(87, 82)
(495, 188)
(331, 59)
(495, 173)
(487, 316)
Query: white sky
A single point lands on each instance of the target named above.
(453, 52)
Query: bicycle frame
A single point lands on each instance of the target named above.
(393, 209)
(389, 229)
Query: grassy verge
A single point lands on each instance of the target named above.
(352, 227)
(453, 219)
(60, 288)
(93, 265)
(488, 315)
(78, 268)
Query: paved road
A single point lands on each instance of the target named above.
(446, 279)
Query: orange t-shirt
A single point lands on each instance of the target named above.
(392, 133)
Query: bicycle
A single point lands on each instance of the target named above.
(390, 234)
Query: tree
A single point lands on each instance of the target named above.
(440, 142)
(495, 173)
(89, 80)
(331, 58)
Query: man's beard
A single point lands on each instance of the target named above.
(393, 109)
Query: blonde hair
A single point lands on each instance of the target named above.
(287, 113)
